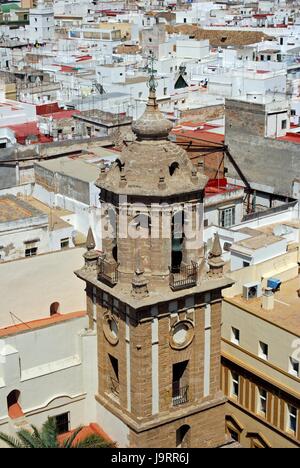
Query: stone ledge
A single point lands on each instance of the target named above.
(157, 421)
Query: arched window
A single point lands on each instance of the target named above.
(177, 241)
(140, 226)
(183, 435)
(120, 164)
(54, 308)
(173, 167)
(13, 407)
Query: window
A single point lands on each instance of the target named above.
(183, 436)
(31, 252)
(234, 434)
(150, 39)
(64, 243)
(263, 350)
(268, 57)
(245, 264)
(294, 367)
(227, 217)
(292, 419)
(235, 335)
(180, 383)
(140, 94)
(54, 308)
(283, 125)
(62, 422)
(293, 112)
(113, 375)
(262, 401)
(234, 384)
(227, 246)
(165, 91)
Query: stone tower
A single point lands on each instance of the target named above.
(156, 307)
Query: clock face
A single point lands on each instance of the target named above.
(182, 334)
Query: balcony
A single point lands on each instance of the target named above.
(114, 387)
(186, 278)
(108, 272)
(179, 394)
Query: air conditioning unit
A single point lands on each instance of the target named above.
(252, 290)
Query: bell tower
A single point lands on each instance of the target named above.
(155, 301)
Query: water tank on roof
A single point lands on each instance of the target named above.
(274, 284)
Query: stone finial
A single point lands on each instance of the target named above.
(91, 255)
(139, 282)
(215, 260)
(90, 240)
(102, 168)
(216, 250)
(200, 167)
(194, 175)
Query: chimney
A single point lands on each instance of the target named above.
(268, 299)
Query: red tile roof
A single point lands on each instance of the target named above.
(291, 137)
(62, 114)
(200, 135)
(92, 428)
(220, 186)
(50, 108)
(39, 323)
(15, 411)
(22, 131)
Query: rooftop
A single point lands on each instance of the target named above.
(285, 314)
(54, 214)
(40, 323)
(75, 168)
(291, 137)
(255, 243)
(13, 209)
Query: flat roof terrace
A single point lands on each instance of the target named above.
(14, 209)
(286, 312)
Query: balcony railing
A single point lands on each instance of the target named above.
(114, 386)
(108, 272)
(185, 278)
(179, 394)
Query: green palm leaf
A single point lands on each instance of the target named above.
(10, 440)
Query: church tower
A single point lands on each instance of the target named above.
(153, 299)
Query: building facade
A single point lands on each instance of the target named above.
(260, 355)
(154, 302)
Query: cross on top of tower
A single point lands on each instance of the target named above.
(151, 72)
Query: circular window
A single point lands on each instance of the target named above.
(111, 330)
(182, 334)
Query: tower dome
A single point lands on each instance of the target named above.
(152, 125)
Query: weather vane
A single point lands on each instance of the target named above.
(152, 83)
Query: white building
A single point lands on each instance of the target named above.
(58, 379)
(26, 230)
(41, 23)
